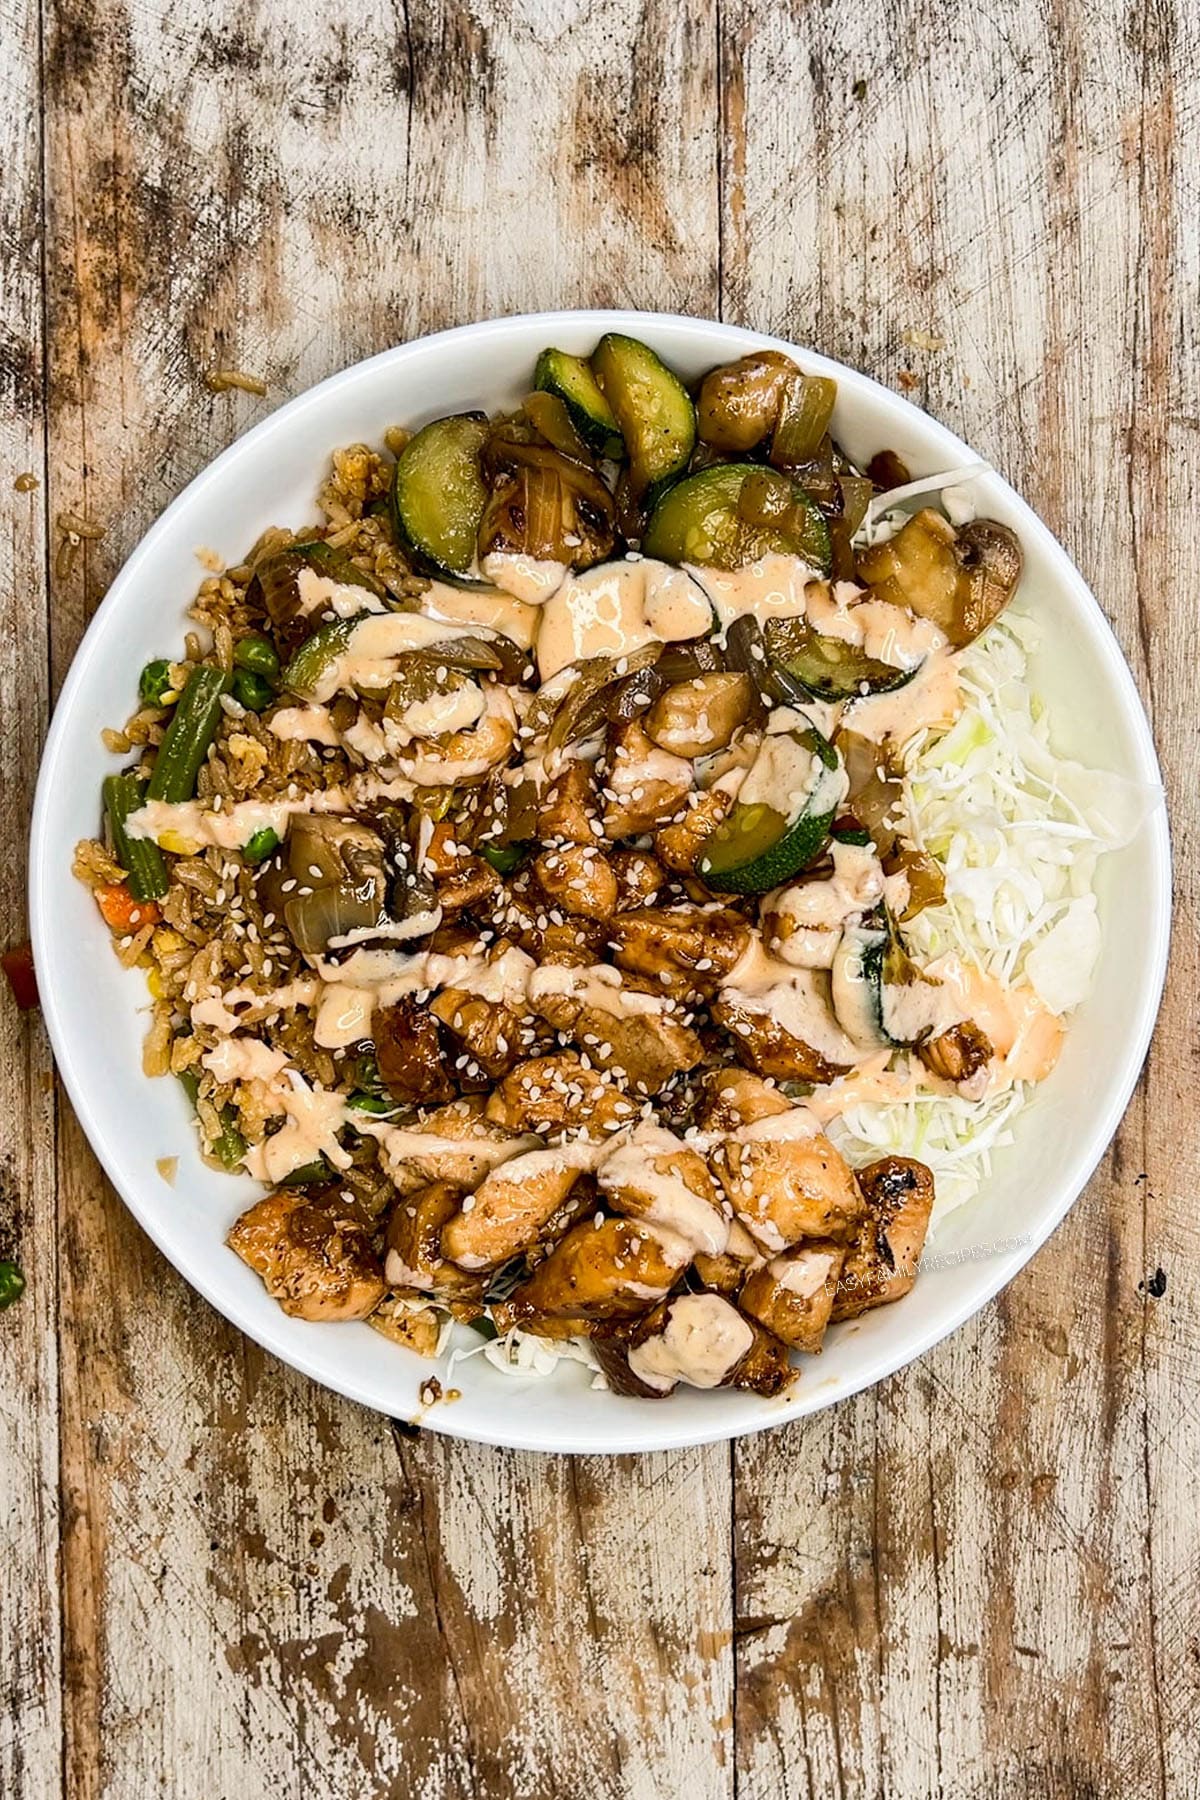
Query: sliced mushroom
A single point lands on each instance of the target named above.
(961, 580)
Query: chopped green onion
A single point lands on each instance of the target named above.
(12, 1284)
(308, 1174)
(376, 1104)
(154, 682)
(141, 858)
(264, 843)
(504, 858)
(850, 834)
(252, 691)
(186, 742)
(258, 655)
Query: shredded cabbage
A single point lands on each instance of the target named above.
(1019, 831)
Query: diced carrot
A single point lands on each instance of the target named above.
(121, 912)
(441, 858)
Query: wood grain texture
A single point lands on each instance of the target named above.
(262, 1596)
(30, 1679)
(979, 1580)
(955, 1584)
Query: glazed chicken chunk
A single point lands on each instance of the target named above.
(550, 1094)
(508, 1210)
(883, 1257)
(785, 1181)
(414, 1256)
(793, 1294)
(701, 1340)
(605, 1269)
(653, 1176)
(312, 1252)
(686, 949)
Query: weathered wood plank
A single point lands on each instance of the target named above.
(30, 1701)
(261, 1597)
(978, 1579)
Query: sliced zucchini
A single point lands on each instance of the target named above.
(734, 513)
(571, 378)
(826, 666)
(856, 985)
(302, 674)
(880, 997)
(653, 410)
(439, 493)
(781, 820)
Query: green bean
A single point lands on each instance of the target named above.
(12, 1284)
(252, 691)
(141, 858)
(308, 1174)
(258, 655)
(230, 1147)
(264, 843)
(154, 682)
(192, 729)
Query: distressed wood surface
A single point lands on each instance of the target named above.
(981, 1578)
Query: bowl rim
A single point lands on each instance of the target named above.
(45, 866)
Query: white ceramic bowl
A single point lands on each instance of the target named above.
(94, 1013)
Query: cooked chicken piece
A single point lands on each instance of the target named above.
(644, 786)
(413, 1257)
(454, 1144)
(787, 1187)
(957, 1054)
(473, 883)
(408, 1049)
(573, 941)
(699, 717)
(454, 937)
(557, 1093)
(726, 1273)
(685, 949)
(578, 879)
(766, 1369)
(792, 1295)
(582, 1202)
(507, 1211)
(883, 1257)
(413, 1328)
(313, 1252)
(570, 807)
(768, 1048)
(654, 1176)
(614, 1269)
(491, 1034)
(643, 1051)
(699, 1339)
(735, 1097)
(679, 845)
(639, 877)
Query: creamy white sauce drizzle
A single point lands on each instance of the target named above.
(702, 1343)
(637, 1177)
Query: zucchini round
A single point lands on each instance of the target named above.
(856, 985)
(775, 831)
(827, 667)
(558, 372)
(713, 518)
(438, 495)
(653, 410)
